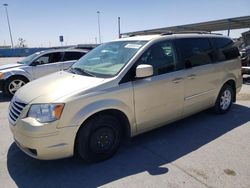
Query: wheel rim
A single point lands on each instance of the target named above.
(15, 85)
(225, 100)
(102, 140)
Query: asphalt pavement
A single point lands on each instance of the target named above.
(204, 150)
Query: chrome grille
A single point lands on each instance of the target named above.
(15, 109)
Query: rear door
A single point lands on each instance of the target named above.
(47, 64)
(200, 75)
(70, 58)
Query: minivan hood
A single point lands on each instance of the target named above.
(54, 86)
(9, 66)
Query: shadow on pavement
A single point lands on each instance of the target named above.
(147, 152)
(4, 98)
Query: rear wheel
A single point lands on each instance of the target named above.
(224, 100)
(99, 138)
(13, 84)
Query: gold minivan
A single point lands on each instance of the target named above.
(121, 89)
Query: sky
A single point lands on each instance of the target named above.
(41, 22)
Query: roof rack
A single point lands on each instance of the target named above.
(190, 32)
(173, 32)
(185, 32)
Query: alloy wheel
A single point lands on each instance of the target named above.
(225, 99)
(15, 85)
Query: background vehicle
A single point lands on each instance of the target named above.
(14, 76)
(245, 59)
(85, 46)
(121, 89)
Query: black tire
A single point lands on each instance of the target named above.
(8, 85)
(99, 138)
(219, 108)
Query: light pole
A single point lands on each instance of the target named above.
(119, 27)
(99, 27)
(7, 15)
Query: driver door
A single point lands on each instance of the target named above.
(47, 64)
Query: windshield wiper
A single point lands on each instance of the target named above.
(81, 71)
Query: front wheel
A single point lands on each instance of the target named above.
(224, 100)
(13, 84)
(99, 138)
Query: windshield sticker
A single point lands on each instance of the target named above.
(135, 46)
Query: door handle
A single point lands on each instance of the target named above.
(191, 76)
(177, 80)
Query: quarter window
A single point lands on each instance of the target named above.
(225, 49)
(195, 51)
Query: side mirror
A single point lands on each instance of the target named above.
(144, 70)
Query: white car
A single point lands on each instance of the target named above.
(14, 76)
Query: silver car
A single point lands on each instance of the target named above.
(14, 76)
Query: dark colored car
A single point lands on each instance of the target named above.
(245, 59)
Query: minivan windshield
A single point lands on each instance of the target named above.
(28, 60)
(107, 59)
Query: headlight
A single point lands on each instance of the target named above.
(1, 75)
(46, 112)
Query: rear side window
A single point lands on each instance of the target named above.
(225, 49)
(72, 56)
(55, 57)
(195, 51)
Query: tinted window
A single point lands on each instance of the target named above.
(225, 49)
(49, 58)
(72, 56)
(55, 57)
(162, 57)
(195, 51)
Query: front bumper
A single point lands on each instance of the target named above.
(44, 142)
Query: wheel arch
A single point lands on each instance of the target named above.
(18, 72)
(18, 76)
(122, 117)
(232, 83)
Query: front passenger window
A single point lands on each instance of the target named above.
(162, 57)
(49, 58)
(43, 59)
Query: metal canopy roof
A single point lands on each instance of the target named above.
(217, 25)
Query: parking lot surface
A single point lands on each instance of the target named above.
(204, 150)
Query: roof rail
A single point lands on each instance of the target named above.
(185, 32)
(173, 32)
